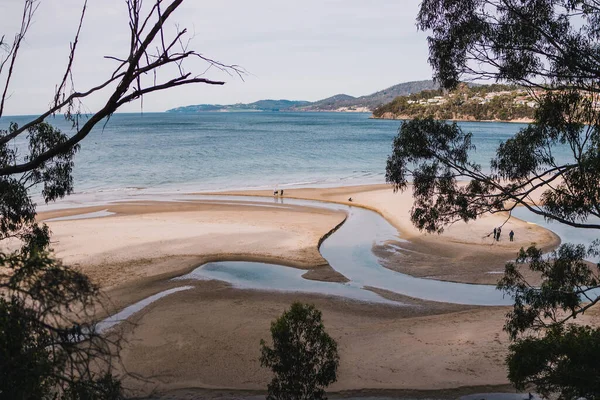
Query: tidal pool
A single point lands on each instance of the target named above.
(273, 277)
(348, 250)
(127, 312)
(95, 214)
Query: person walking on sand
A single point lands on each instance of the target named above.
(499, 232)
(494, 233)
(511, 235)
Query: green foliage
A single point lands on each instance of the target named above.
(304, 357)
(550, 46)
(429, 152)
(54, 175)
(48, 346)
(41, 300)
(566, 281)
(17, 210)
(434, 154)
(549, 351)
(554, 41)
(463, 103)
(45, 353)
(25, 364)
(564, 360)
(105, 387)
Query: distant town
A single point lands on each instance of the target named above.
(337, 103)
(470, 103)
(408, 100)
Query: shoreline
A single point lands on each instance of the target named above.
(408, 118)
(130, 218)
(394, 208)
(316, 267)
(206, 338)
(421, 241)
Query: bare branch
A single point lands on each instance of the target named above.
(29, 10)
(131, 75)
(73, 46)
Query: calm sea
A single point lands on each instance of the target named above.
(160, 152)
(136, 156)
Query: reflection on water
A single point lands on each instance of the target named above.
(272, 277)
(349, 251)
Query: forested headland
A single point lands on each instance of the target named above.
(466, 103)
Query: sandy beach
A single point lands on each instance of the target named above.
(150, 239)
(207, 338)
(464, 252)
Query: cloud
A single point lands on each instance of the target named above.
(297, 50)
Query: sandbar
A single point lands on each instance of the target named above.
(207, 338)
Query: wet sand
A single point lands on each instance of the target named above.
(207, 338)
(159, 239)
(464, 252)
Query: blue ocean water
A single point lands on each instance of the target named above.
(215, 151)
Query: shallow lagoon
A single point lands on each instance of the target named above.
(348, 251)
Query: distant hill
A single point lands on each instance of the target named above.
(466, 103)
(339, 102)
(276, 105)
(261, 105)
(371, 101)
(329, 103)
(402, 89)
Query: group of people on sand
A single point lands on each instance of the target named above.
(278, 192)
(498, 231)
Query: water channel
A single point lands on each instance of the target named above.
(349, 251)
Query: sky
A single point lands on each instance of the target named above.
(297, 50)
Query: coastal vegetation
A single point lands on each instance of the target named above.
(49, 347)
(208, 336)
(548, 46)
(304, 358)
(468, 103)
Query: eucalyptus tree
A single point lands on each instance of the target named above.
(304, 358)
(46, 349)
(550, 47)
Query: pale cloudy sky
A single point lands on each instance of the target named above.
(304, 50)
